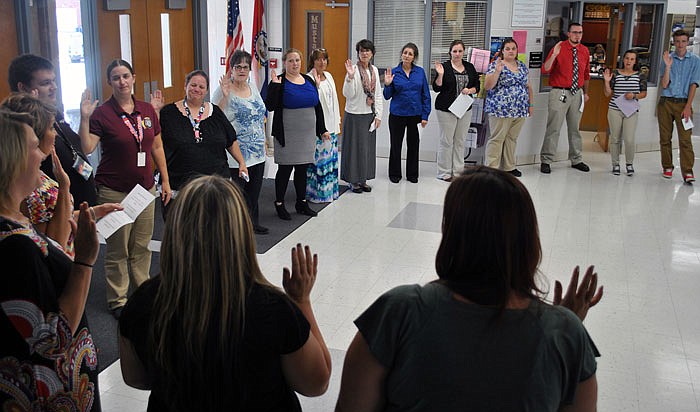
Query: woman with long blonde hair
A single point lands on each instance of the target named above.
(211, 333)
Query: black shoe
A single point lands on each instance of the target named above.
(304, 209)
(117, 312)
(412, 179)
(365, 187)
(356, 189)
(282, 212)
(582, 167)
(545, 168)
(260, 230)
(515, 172)
(394, 179)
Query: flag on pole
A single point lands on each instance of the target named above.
(234, 32)
(259, 48)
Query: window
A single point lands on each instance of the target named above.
(457, 20)
(397, 22)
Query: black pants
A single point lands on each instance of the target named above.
(282, 180)
(398, 125)
(251, 189)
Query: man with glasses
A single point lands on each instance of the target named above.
(681, 77)
(29, 73)
(569, 73)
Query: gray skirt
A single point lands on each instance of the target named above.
(299, 137)
(358, 161)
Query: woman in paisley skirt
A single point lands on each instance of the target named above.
(322, 176)
(508, 103)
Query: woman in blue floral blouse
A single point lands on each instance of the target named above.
(245, 109)
(508, 103)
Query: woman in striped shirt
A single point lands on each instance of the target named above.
(625, 85)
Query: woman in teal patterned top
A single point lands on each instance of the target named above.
(245, 109)
(508, 103)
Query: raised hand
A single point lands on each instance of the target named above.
(607, 75)
(87, 105)
(225, 85)
(350, 68)
(579, 298)
(299, 282)
(86, 244)
(439, 69)
(60, 174)
(273, 74)
(388, 77)
(500, 64)
(668, 59)
(316, 76)
(557, 49)
(157, 100)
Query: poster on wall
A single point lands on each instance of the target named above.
(527, 13)
(314, 30)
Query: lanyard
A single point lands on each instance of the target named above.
(138, 136)
(59, 131)
(195, 122)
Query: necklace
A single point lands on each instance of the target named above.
(195, 122)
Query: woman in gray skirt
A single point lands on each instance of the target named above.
(363, 107)
(297, 122)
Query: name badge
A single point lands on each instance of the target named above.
(141, 159)
(83, 168)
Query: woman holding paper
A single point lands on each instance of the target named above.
(626, 86)
(455, 77)
(508, 103)
(129, 133)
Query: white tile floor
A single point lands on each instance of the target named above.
(641, 232)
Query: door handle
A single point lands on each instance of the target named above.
(146, 92)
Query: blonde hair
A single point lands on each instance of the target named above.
(13, 150)
(43, 114)
(208, 266)
(290, 51)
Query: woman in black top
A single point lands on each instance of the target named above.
(211, 333)
(454, 76)
(196, 135)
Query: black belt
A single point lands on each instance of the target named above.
(562, 88)
(675, 99)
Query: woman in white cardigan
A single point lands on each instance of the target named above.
(322, 175)
(363, 114)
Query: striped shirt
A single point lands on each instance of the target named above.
(621, 84)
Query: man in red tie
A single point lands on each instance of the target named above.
(569, 73)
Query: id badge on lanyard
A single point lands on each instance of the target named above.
(138, 136)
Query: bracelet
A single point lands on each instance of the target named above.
(77, 262)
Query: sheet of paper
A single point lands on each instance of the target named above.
(687, 124)
(373, 126)
(583, 102)
(134, 203)
(461, 104)
(627, 107)
(480, 59)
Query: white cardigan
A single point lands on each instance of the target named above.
(328, 95)
(355, 98)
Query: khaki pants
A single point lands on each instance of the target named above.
(622, 129)
(558, 112)
(127, 249)
(501, 145)
(669, 112)
(453, 133)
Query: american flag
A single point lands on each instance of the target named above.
(234, 32)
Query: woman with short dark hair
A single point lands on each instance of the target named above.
(481, 337)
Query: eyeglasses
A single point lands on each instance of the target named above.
(320, 50)
(241, 68)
